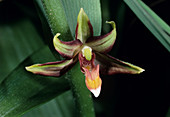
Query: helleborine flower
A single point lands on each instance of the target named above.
(91, 52)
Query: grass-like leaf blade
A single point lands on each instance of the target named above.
(152, 21)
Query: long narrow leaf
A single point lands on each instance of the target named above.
(56, 18)
(92, 9)
(62, 106)
(21, 34)
(152, 21)
(23, 90)
(72, 8)
(20, 90)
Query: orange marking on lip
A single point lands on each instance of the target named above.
(93, 84)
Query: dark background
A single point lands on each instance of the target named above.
(146, 94)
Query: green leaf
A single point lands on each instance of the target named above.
(168, 113)
(18, 40)
(56, 16)
(20, 90)
(62, 106)
(152, 21)
(23, 90)
(92, 9)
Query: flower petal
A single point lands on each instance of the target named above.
(84, 29)
(51, 68)
(110, 65)
(66, 49)
(93, 80)
(103, 43)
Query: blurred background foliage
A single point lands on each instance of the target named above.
(144, 95)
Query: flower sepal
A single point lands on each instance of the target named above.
(51, 68)
(84, 29)
(110, 65)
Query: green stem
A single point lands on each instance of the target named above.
(82, 96)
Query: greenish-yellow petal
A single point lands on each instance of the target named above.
(105, 42)
(66, 49)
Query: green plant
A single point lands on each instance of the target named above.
(26, 33)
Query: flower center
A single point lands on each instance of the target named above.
(87, 52)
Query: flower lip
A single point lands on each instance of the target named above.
(96, 92)
(93, 80)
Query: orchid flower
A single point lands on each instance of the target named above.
(90, 51)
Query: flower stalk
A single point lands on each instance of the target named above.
(82, 96)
